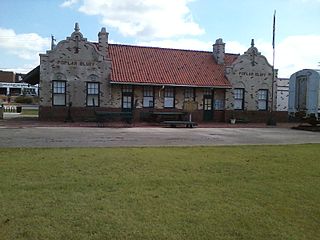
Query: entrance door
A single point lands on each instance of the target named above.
(207, 108)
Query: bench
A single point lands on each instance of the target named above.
(166, 116)
(188, 124)
(242, 120)
(102, 116)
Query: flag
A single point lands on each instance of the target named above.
(274, 29)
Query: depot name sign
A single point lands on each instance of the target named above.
(255, 74)
(76, 63)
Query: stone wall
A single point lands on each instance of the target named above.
(252, 72)
(76, 61)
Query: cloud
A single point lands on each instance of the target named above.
(144, 19)
(191, 44)
(69, 3)
(26, 46)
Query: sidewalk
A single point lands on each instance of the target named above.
(14, 120)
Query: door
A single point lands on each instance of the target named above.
(207, 108)
(302, 93)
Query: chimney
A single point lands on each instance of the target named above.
(219, 50)
(103, 40)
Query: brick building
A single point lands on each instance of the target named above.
(79, 77)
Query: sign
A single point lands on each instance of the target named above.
(256, 74)
(190, 106)
(76, 63)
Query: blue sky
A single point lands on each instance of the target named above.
(26, 27)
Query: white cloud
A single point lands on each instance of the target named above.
(143, 18)
(296, 53)
(26, 46)
(69, 3)
(25, 68)
(192, 44)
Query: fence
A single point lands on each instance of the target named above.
(12, 109)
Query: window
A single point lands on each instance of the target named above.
(148, 100)
(263, 99)
(93, 90)
(169, 97)
(127, 96)
(126, 102)
(189, 94)
(58, 93)
(219, 104)
(238, 98)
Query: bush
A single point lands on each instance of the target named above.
(23, 99)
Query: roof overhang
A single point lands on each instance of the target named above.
(33, 77)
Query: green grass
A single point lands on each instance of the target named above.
(238, 192)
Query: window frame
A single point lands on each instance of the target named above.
(169, 93)
(148, 93)
(193, 94)
(127, 92)
(265, 100)
(239, 98)
(54, 93)
(93, 94)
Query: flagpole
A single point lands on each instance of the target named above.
(272, 120)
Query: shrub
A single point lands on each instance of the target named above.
(23, 99)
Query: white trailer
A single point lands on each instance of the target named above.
(304, 94)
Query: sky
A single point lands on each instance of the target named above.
(26, 27)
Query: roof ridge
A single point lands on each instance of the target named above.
(165, 48)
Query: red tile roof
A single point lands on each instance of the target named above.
(151, 65)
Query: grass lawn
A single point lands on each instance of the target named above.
(236, 192)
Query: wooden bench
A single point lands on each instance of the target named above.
(242, 120)
(102, 116)
(188, 124)
(160, 116)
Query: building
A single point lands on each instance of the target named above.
(17, 89)
(11, 86)
(79, 77)
(282, 94)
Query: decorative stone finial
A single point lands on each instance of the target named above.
(76, 27)
(103, 30)
(252, 42)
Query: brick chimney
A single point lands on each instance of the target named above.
(219, 51)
